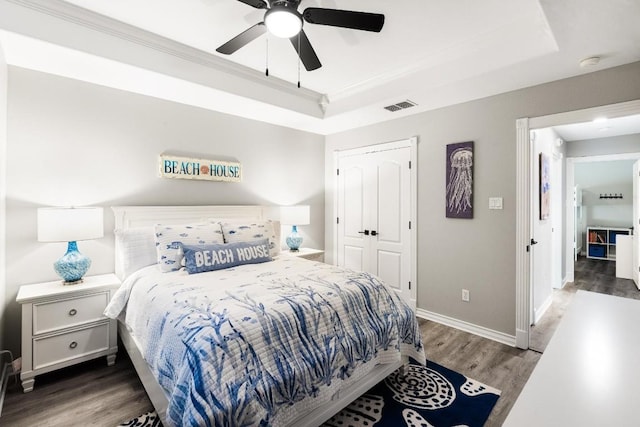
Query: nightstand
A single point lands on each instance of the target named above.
(306, 253)
(64, 325)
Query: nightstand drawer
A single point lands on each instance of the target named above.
(55, 315)
(59, 348)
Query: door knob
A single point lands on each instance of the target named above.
(365, 232)
(374, 233)
(533, 242)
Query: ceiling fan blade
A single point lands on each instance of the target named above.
(344, 18)
(243, 38)
(305, 51)
(258, 4)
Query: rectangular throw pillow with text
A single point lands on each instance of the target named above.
(200, 258)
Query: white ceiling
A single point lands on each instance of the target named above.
(600, 128)
(432, 52)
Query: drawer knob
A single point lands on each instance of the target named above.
(73, 312)
(73, 345)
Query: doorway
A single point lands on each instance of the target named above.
(525, 193)
(604, 183)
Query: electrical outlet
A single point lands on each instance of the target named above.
(465, 295)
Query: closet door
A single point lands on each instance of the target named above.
(390, 248)
(374, 211)
(354, 198)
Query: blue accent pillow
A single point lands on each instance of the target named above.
(200, 258)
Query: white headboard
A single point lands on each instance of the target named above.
(141, 216)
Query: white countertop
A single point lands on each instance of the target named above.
(589, 374)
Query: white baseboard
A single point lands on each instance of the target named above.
(481, 331)
(543, 309)
(522, 339)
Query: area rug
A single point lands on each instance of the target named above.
(431, 396)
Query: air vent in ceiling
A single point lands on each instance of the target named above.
(392, 108)
(400, 106)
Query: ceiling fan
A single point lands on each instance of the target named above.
(282, 19)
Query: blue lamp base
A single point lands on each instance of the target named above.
(294, 240)
(72, 265)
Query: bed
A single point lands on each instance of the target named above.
(281, 341)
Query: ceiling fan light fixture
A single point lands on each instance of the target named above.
(283, 22)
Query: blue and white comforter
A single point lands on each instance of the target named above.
(239, 347)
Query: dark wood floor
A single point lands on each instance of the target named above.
(89, 394)
(93, 394)
(600, 276)
(498, 365)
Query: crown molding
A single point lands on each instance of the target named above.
(112, 28)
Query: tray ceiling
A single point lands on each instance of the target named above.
(433, 53)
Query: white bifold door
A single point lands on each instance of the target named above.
(374, 205)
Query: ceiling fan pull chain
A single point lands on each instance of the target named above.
(298, 61)
(266, 70)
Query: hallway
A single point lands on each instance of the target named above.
(590, 275)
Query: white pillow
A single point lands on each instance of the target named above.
(136, 248)
(170, 238)
(250, 231)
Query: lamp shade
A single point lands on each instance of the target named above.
(295, 215)
(70, 224)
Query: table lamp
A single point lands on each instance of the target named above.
(294, 216)
(70, 225)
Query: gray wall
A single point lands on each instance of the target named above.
(74, 143)
(477, 254)
(606, 177)
(601, 146)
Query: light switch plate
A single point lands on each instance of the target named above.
(495, 202)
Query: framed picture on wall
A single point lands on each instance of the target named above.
(459, 200)
(545, 197)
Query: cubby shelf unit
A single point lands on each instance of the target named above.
(601, 241)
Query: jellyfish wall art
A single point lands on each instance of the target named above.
(460, 180)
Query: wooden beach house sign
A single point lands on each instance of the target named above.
(203, 169)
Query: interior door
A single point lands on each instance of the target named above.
(353, 196)
(541, 234)
(374, 212)
(636, 224)
(390, 246)
(556, 222)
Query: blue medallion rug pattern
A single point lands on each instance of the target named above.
(427, 396)
(431, 396)
(150, 419)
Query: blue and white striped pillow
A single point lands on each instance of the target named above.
(170, 238)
